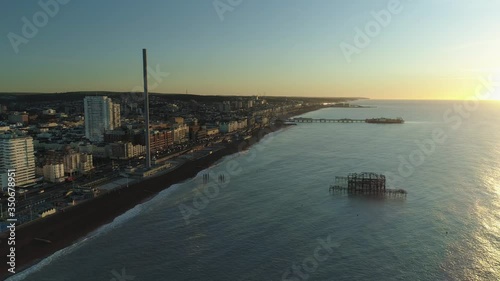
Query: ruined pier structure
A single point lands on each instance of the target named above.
(365, 183)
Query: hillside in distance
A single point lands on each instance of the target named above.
(71, 96)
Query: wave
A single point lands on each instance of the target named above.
(121, 219)
(258, 145)
(134, 212)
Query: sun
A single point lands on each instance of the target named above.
(494, 95)
(489, 89)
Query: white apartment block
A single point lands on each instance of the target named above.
(54, 172)
(16, 152)
(77, 163)
(101, 114)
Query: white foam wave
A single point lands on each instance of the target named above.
(128, 215)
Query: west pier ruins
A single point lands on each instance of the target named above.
(365, 183)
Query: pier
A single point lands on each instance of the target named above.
(365, 183)
(381, 120)
(322, 120)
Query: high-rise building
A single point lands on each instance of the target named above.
(116, 116)
(101, 114)
(16, 153)
(77, 163)
(53, 172)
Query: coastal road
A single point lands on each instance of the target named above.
(53, 192)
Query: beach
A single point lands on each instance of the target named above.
(41, 238)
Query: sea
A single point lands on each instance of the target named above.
(267, 213)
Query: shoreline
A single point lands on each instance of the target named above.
(63, 229)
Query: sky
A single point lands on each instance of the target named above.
(380, 49)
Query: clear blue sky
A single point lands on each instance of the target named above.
(431, 49)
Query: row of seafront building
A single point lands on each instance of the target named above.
(98, 141)
(67, 144)
(16, 152)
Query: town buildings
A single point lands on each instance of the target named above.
(101, 114)
(17, 153)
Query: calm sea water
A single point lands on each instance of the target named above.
(266, 220)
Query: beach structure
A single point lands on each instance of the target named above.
(146, 107)
(365, 183)
(381, 120)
